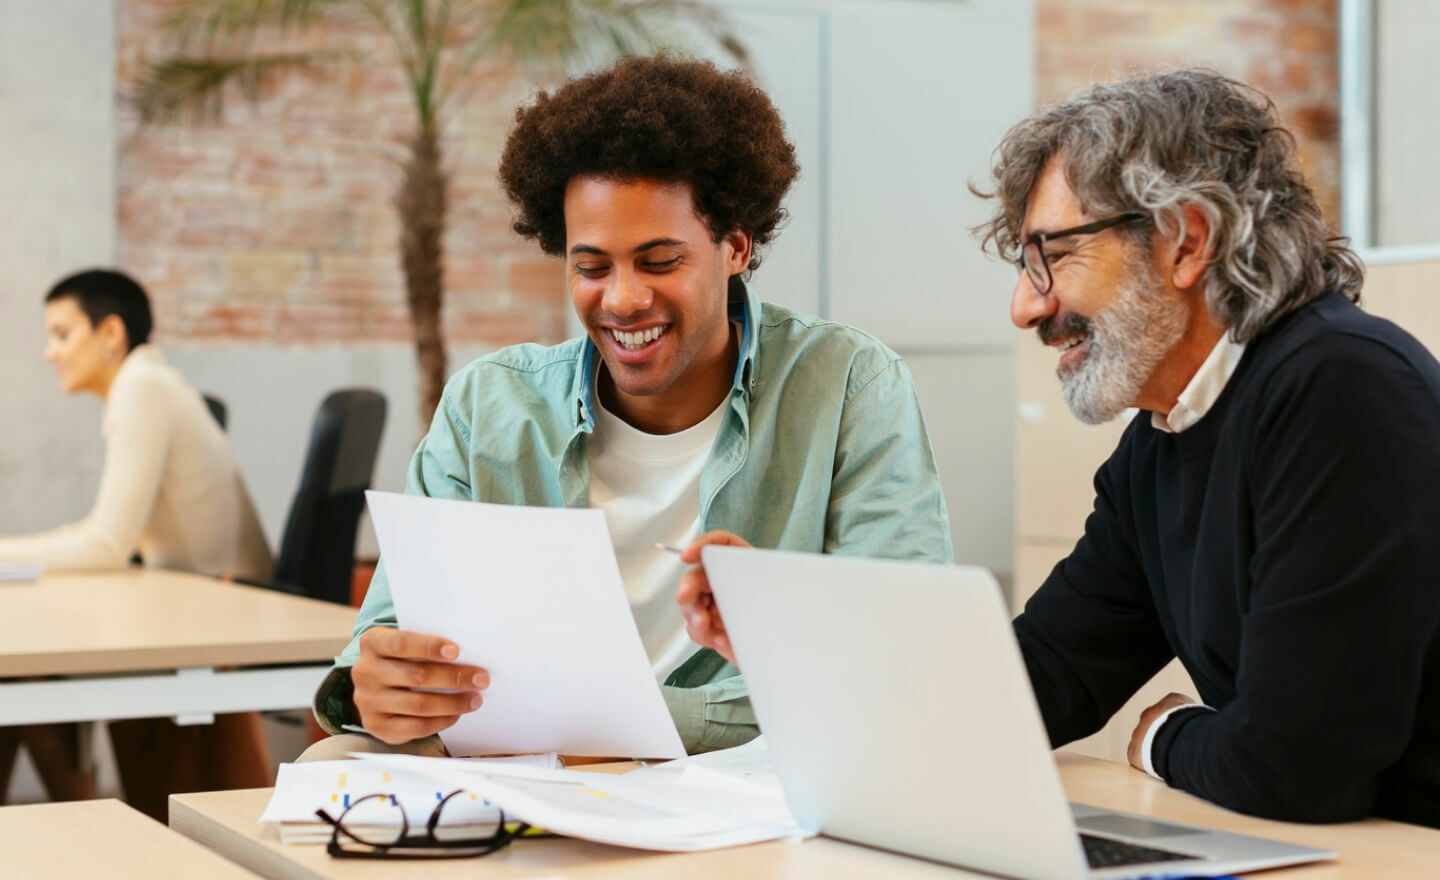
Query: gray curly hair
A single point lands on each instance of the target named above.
(1159, 143)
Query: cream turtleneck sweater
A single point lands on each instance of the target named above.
(169, 488)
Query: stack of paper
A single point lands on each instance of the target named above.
(301, 789)
(687, 808)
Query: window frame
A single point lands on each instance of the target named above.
(1357, 140)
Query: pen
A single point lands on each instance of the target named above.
(660, 545)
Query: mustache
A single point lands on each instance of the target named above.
(1063, 327)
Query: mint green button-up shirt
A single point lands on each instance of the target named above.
(822, 449)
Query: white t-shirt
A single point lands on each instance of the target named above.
(648, 485)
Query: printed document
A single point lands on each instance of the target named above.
(302, 789)
(691, 808)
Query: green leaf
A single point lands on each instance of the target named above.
(206, 22)
(582, 33)
(193, 89)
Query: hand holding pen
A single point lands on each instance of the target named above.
(702, 616)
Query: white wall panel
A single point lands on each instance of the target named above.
(786, 49)
(57, 189)
(967, 398)
(921, 93)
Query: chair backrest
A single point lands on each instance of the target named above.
(317, 551)
(217, 409)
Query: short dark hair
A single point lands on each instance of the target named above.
(653, 118)
(101, 293)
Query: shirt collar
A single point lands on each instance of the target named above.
(1204, 389)
(744, 307)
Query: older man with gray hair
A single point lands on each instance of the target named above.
(1270, 517)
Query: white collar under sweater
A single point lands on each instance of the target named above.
(1204, 389)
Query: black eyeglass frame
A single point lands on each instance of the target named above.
(405, 846)
(1040, 275)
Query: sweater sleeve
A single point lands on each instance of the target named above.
(137, 440)
(1090, 635)
(1342, 607)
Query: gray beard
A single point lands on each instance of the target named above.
(1126, 341)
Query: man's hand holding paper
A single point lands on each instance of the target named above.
(408, 685)
(544, 621)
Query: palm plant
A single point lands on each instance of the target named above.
(438, 44)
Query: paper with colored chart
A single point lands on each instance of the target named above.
(685, 809)
(532, 594)
(301, 789)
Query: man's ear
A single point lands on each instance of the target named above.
(737, 254)
(1194, 253)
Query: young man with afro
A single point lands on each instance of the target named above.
(688, 407)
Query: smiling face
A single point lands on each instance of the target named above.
(649, 282)
(1108, 311)
(86, 357)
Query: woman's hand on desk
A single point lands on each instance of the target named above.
(702, 616)
(395, 675)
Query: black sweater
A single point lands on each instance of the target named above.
(1285, 548)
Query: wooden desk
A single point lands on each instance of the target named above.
(88, 839)
(1374, 848)
(143, 644)
(226, 822)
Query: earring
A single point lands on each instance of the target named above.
(111, 355)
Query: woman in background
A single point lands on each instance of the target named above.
(169, 490)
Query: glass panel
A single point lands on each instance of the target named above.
(1406, 126)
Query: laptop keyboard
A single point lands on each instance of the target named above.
(1102, 852)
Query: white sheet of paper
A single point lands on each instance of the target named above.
(533, 595)
(746, 765)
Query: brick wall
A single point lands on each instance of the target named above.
(276, 224)
(1287, 48)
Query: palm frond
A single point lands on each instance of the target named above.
(427, 30)
(582, 33)
(658, 15)
(206, 22)
(180, 89)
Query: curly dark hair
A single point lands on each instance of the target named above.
(655, 118)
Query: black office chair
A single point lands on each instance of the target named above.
(217, 409)
(317, 550)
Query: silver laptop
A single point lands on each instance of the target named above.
(899, 715)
